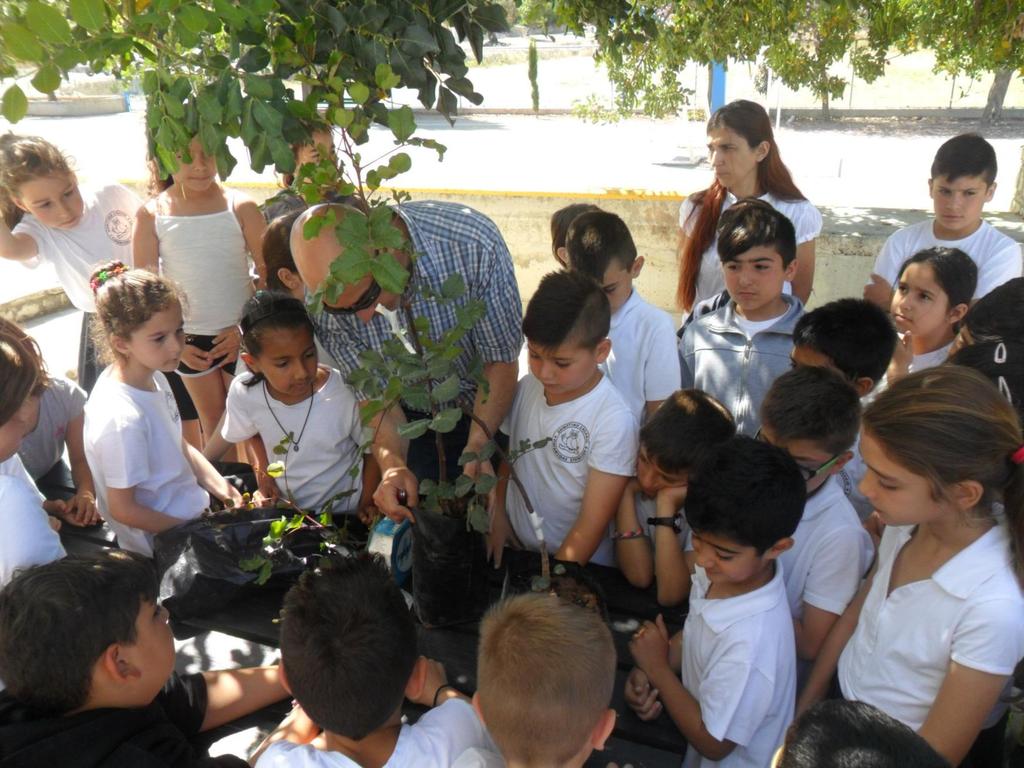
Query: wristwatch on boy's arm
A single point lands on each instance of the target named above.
(667, 522)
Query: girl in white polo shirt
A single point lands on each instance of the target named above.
(934, 634)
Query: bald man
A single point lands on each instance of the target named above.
(447, 239)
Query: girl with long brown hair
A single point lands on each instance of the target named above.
(746, 162)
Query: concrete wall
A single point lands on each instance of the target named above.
(846, 249)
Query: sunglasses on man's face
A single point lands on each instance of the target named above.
(365, 301)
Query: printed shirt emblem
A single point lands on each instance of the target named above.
(118, 226)
(571, 442)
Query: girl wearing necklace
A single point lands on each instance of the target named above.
(292, 401)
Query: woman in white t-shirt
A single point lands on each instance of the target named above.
(147, 478)
(746, 162)
(304, 412)
(933, 636)
(46, 217)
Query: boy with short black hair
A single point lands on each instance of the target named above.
(736, 352)
(558, 713)
(88, 660)
(858, 339)
(650, 531)
(348, 656)
(813, 414)
(851, 734)
(577, 479)
(643, 337)
(737, 690)
(963, 179)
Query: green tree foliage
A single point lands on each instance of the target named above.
(969, 38)
(646, 43)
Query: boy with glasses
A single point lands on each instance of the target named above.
(813, 414)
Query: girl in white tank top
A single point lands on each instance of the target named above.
(202, 236)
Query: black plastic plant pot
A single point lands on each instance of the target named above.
(449, 571)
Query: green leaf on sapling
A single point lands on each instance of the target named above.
(192, 17)
(343, 117)
(413, 429)
(430, 144)
(358, 92)
(467, 457)
(477, 518)
(275, 469)
(209, 106)
(402, 123)
(277, 528)
(399, 163)
(485, 483)
(487, 450)
(446, 420)
(447, 390)
(453, 287)
(541, 443)
(389, 274)
(258, 87)
(463, 484)
(385, 77)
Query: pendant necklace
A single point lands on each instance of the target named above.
(290, 435)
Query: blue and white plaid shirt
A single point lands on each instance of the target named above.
(447, 238)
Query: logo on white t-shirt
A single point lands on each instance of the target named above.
(571, 442)
(118, 226)
(172, 407)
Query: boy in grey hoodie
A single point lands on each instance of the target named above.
(737, 351)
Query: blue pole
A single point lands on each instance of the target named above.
(717, 85)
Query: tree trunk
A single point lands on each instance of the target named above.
(826, 111)
(996, 94)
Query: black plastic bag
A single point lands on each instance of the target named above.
(198, 561)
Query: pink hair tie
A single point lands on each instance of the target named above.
(1017, 457)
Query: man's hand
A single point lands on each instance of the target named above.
(81, 510)
(649, 646)
(902, 357)
(640, 696)
(398, 494)
(878, 291)
(499, 533)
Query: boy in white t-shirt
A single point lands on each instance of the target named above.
(643, 338)
(735, 655)
(963, 179)
(348, 656)
(650, 531)
(576, 480)
(813, 414)
(856, 338)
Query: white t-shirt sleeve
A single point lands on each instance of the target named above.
(686, 221)
(990, 637)
(891, 257)
(734, 696)
(615, 445)
(835, 575)
(479, 758)
(238, 422)
(1000, 268)
(807, 222)
(285, 754)
(661, 376)
(440, 736)
(28, 538)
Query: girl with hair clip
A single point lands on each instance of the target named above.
(290, 400)
(746, 162)
(148, 479)
(934, 634)
(46, 217)
(30, 536)
(201, 236)
(933, 293)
